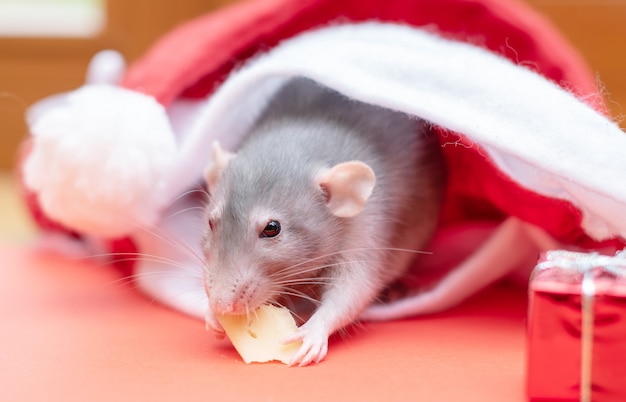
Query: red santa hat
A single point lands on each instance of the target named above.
(522, 124)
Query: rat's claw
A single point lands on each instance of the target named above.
(314, 347)
(212, 324)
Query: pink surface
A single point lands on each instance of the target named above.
(77, 331)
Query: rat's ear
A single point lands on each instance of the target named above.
(219, 161)
(347, 185)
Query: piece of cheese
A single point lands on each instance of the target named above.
(258, 337)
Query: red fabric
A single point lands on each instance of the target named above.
(194, 58)
(207, 48)
(477, 189)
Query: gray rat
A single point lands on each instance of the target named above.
(325, 199)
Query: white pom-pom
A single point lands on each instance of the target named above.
(99, 159)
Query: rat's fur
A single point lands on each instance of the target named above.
(306, 130)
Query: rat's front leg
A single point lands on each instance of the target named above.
(314, 336)
(350, 290)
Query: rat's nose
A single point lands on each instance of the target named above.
(233, 296)
(224, 306)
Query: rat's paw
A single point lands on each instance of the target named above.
(314, 346)
(213, 325)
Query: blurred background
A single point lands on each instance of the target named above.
(45, 46)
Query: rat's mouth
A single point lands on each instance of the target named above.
(232, 307)
(234, 300)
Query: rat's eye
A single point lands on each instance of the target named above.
(272, 229)
(211, 224)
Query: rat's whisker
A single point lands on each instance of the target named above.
(255, 312)
(280, 275)
(305, 281)
(132, 278)
(299, 294)
(143, 257)
(290, 307)
(198, 190)
(182, 247)
(194, 208)
(157, 233)
(354, 250)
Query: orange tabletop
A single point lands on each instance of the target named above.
(79, 331)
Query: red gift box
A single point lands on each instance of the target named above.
(577, 328)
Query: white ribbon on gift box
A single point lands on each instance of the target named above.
(584, 263)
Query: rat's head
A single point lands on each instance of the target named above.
(270, 230)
